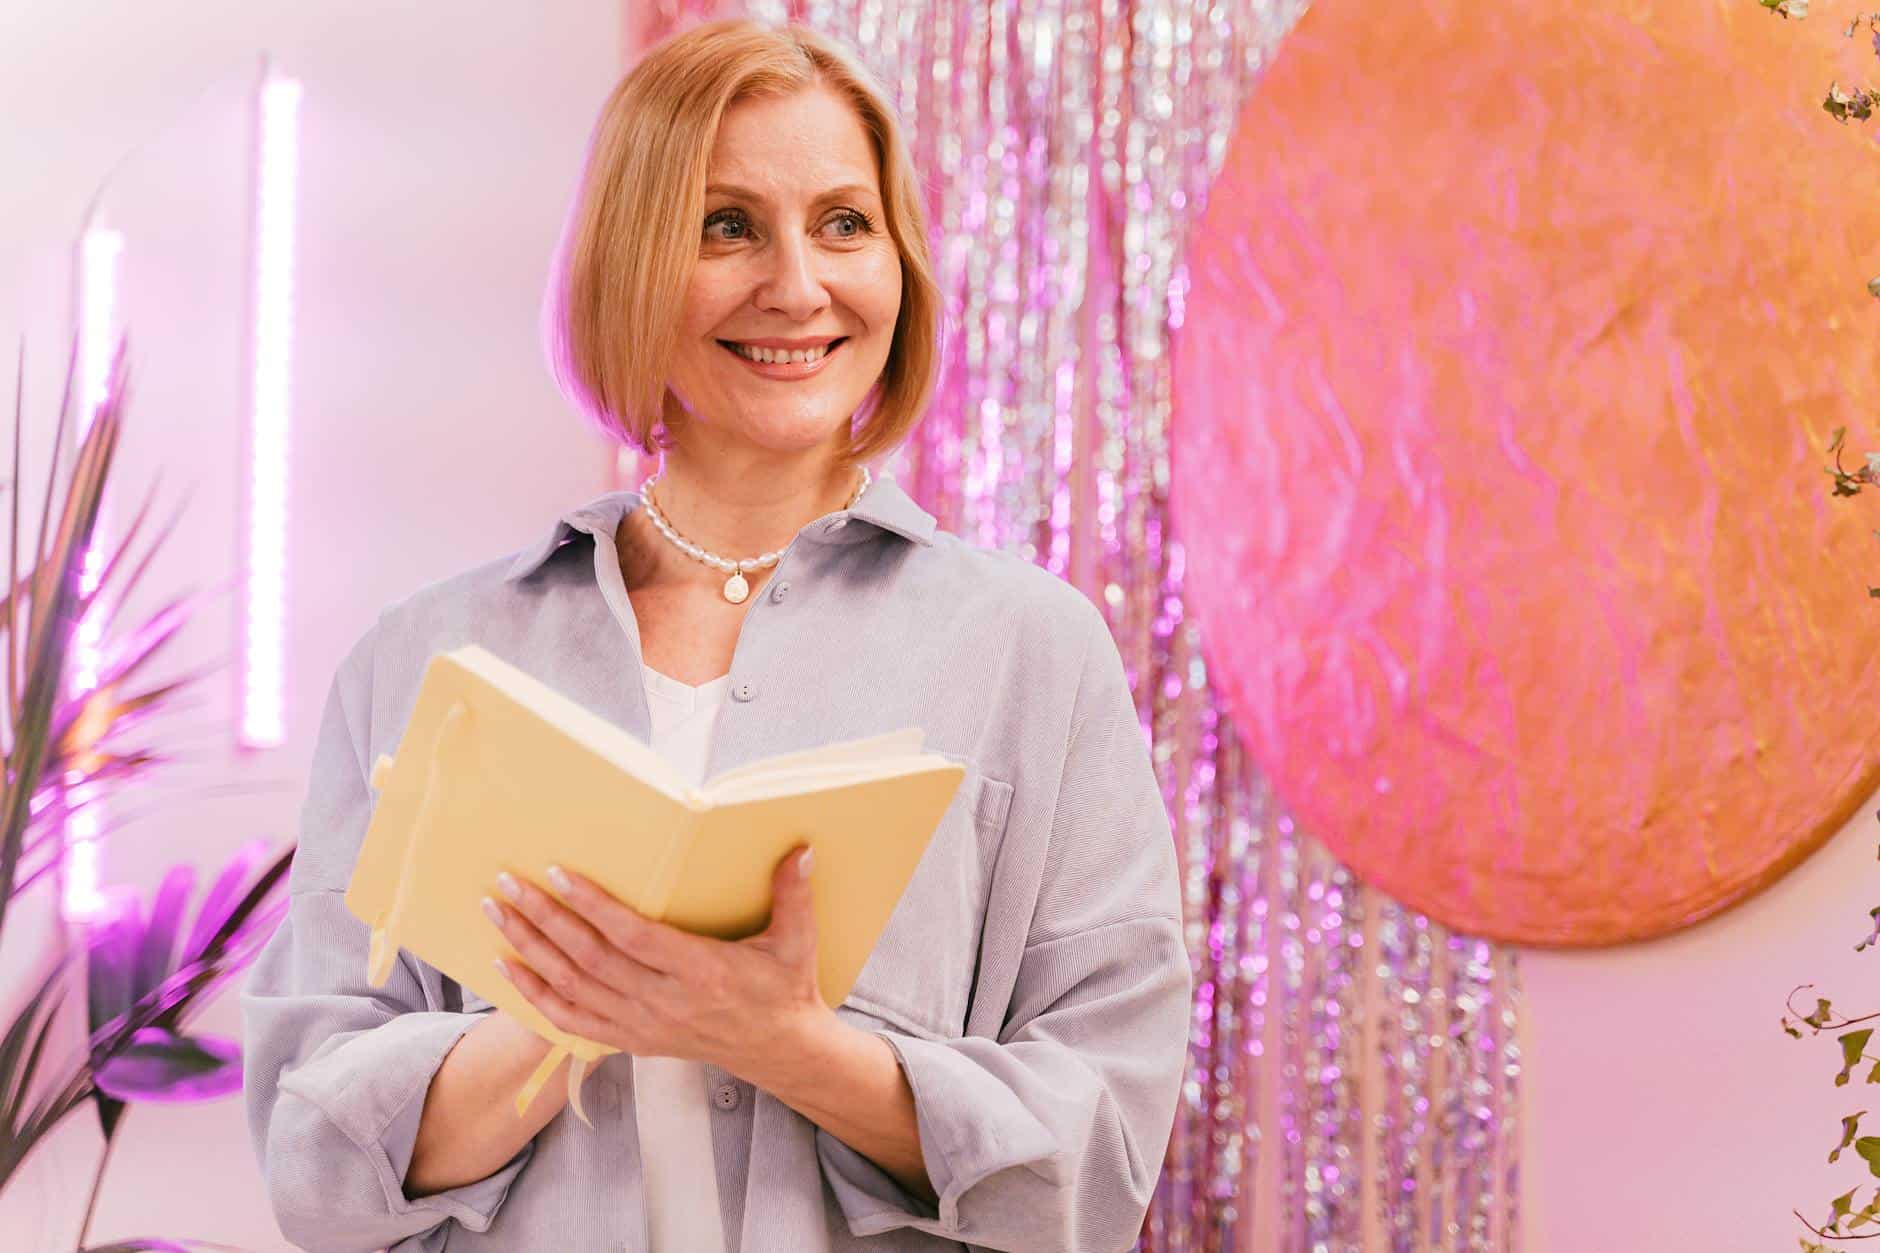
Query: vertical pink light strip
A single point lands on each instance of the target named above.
(278, 156)
(98, 283)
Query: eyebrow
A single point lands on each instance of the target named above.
(834, 193)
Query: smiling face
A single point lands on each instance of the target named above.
(791, 309)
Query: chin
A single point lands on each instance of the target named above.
(796, 439)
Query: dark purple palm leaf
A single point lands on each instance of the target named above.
(141, 993)
(110, 978)
(158, 949)
(223, 895)
(160, 1065)
(251, 921)
(133, 958)
(138, 978)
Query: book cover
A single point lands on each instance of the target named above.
(498, 771)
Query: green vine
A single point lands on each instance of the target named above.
(1845, 104)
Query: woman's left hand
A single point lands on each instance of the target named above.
(601, 970)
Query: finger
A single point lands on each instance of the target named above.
(584, 944)
(792, 927)
(543, 932)
(653, 945)
(558, 1009)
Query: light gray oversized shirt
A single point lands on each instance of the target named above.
(1032, 980)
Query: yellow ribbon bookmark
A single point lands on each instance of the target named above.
(577, 1071)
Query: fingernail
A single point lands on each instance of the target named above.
(802, 865)
(501, 969)
(508, 884)
(557, 877)
(493, 911)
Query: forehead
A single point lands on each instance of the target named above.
(784, 147)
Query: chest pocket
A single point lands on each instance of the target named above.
(918, 978)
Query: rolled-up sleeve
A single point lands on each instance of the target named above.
(1052, 1136)
(335, 1071)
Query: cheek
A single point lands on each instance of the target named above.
(709, 300)
(878, 292)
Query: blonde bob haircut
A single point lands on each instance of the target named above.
(632, 234)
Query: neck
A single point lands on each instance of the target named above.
(739, 507)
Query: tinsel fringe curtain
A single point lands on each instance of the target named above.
(1354, 1067)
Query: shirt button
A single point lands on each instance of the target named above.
(744, 691)
(778, 592)
(727, 1096)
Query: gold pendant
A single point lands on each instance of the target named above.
(736, 589)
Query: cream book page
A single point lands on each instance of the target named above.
(496, 771)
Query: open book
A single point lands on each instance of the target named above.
(498, 771)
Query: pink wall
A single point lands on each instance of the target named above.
(1666, 1109)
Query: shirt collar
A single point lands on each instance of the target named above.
(884, 505)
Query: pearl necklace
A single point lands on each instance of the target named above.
(736, 588)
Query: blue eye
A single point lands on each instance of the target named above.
(864, 224)
(731, 216)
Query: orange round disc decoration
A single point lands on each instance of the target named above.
(1514, 338)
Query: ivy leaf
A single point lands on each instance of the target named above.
(1849, 1125)
(1843, 1206)
(1852, 1045)
(1869, 1149)
(1873, 937)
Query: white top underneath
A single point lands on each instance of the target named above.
(671, 1104)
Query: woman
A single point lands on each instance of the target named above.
(744, 288)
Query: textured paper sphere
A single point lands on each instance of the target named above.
(1514, 339)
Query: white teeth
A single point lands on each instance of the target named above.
(796, 355)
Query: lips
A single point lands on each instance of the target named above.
(732, 346)
(785, 370)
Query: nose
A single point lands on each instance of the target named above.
(793, 287)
